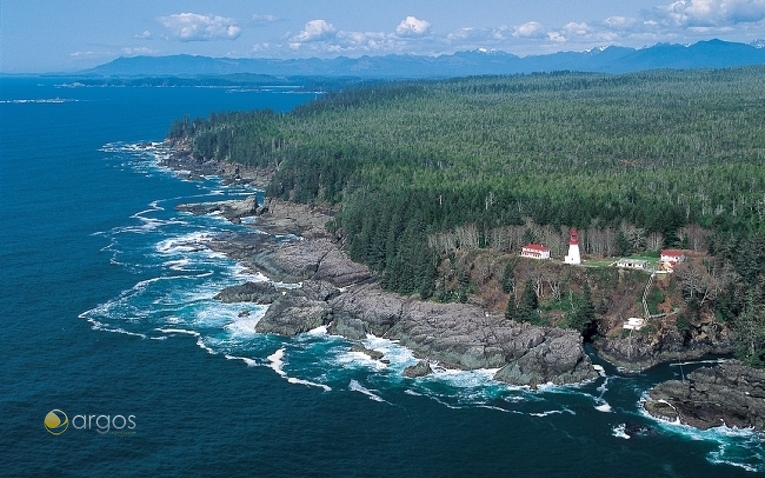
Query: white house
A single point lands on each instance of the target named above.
(634, 323)
(638, 264)
(671, 257)
(535, 251)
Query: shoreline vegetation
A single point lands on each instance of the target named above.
(430, 204)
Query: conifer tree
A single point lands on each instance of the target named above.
(527, 306)
(511, 311)
(508, 279)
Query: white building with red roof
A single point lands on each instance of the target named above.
(535, 251)
(671, 257)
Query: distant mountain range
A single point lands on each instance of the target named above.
(704, 54)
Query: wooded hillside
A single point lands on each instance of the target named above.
(422, 169)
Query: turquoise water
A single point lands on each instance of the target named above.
(107, 310)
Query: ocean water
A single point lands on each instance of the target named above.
(108, 317)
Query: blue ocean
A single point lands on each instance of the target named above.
(109, 322)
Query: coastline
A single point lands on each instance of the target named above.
(345, 297)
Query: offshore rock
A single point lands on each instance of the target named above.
(420, 369)
(291, 315)
(257, 292)
(373, 354)
(729, 394)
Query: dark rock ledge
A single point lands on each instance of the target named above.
(728, 394)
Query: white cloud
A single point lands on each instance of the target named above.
(573, 28)
(413, 27)
(315, 30)
(711, 13)
(131, 51)
(619, 22)
(144, 35)
(196, 27)
(530, 30)
(556, 37)
(264, 19)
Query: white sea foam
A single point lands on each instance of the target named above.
(619, 431)
(277, 362)
(318, 331)
(698, 362)
(201, 344)
(468, 378)
(350, 359)
(250, 362)
(604, 407)
(244, 325)
(178, 265)
(192, 242)
(38, 101)
(96, 325)
(355, 386)
(178, 331)
(299, 381)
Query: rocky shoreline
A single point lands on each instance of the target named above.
(344, 296)
(729, 394)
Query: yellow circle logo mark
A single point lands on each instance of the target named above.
(56, 422)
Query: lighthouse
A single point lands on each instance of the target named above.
(573, 249)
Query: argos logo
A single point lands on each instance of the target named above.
(57, 422)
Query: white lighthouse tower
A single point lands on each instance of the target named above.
(573, 249)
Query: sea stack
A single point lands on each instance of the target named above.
(573, 249)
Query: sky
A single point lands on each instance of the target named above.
(38, 36)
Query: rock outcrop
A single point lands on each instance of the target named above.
(559, 359)
(233, 210)
(185, 164)
(455, 335)
(294, 314)
(639, 352)
(257, 292)
(728, 394)
(420, 369)
(373, 354)
(318, 259)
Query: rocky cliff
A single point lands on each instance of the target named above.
(728, 394)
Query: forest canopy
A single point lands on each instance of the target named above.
(420, 167)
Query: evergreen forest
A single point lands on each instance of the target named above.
(418, 170)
